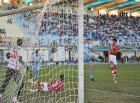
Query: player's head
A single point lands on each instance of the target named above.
(36, 52)
(62, 77)
(114, 41)
(88, 40)
(19, 42)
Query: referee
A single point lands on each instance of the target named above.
(15, 56)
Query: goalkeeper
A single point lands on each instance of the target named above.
(14, 56)
(54, 86)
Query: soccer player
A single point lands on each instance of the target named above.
(36, 65)
(14, 56)
(88, 57)
(114, 49)
(54, 86)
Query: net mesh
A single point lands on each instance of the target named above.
(53, 31)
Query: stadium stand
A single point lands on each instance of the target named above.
(100, 28)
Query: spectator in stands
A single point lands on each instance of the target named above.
(1, 41)
(1, 31)
(138, 58)
(9, 21)
(4, 31)
(9, 39)
(5, 41)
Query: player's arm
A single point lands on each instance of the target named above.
(120, 50)
(96, 52)
(40, 59)
(8, 55)
(33, 62)
(61, 88)
(21, 59)
(84, 51)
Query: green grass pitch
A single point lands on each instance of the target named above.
(103, 90)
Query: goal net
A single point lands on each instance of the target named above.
(52, 29)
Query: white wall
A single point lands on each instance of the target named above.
(60, 54)
(128, 53)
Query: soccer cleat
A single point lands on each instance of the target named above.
(92, 79)
(31, 81)
(114, 79)
(0, 97)
(15, 100)
(31, 91)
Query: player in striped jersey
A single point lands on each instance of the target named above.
(88, 48)
(114, 49)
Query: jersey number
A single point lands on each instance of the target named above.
(14, 54)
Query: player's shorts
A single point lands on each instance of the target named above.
(87, 58)
(45, 87)
(113, 59)
(35, 67)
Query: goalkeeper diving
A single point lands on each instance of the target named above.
(55, 86)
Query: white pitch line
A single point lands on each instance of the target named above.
(113, 93)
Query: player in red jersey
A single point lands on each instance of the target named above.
(54, 86)
(114, 49)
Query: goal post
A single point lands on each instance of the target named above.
(81, 50)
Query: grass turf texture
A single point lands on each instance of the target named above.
(103, 90)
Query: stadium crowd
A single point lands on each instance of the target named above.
(100, 28)
(2, 31)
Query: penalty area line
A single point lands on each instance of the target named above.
(113, 93)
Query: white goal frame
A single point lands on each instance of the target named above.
(80, 50)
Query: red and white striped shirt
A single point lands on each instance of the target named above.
(113, 47)
(15, 52)
(56, 85)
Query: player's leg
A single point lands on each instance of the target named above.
(37, 71)
(22, 85)
(115, 70)
(8, 76)
(18, 79)
(36, 76)
(44, 87)
(112, 67)
(91, 68)
(36, 90)
(36, 83)
(31, 74)
(32, 71)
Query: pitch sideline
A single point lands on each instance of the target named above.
(113, 93)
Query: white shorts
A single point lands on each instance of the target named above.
(45, 87)
(113, 59)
